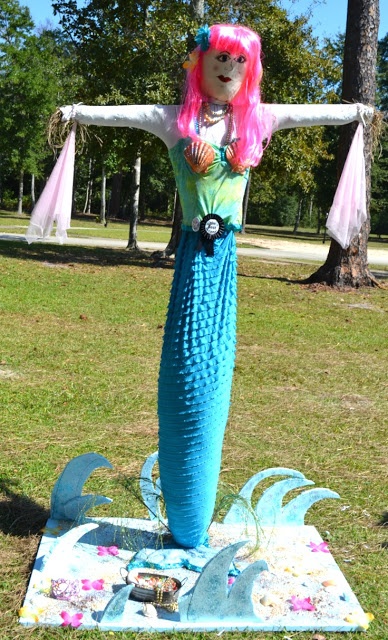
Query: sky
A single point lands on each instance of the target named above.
(328, 16)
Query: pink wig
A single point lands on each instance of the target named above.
(251, 124)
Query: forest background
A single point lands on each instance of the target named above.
(128, 53)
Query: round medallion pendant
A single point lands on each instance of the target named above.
(195, 224)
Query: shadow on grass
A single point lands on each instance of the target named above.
(383, 522)
(288, 234)
(285, 234)
(67, 254)
(19, 515)
(276, 278)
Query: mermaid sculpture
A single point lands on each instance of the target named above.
(213, 139)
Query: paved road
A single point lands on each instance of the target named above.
(304, 252)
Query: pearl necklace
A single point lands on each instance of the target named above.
(208, 116)
(212, 115)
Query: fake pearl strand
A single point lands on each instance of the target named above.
(220, 133)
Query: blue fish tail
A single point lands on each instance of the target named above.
(195, 383)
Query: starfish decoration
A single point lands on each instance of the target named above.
(108, 551)
(302, 604)
(321, 546)
(97, 585)
(71, 621)
(31, 614)
(361, 619)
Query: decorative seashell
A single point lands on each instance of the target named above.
(149, 611)
(64, 589)
(295, 571)
(199, 155)
(230, 154)
(329, 583)
(132, 576)
(269, 600)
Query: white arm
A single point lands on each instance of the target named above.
(157, 119)
(287, 116)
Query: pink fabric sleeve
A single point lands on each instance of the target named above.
(348, 211)
(55, 202)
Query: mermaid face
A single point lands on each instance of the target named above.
(222, 75)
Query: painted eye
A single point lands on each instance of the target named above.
(241, 59)
(223, 57)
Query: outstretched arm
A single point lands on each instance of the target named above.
(157, 119)
(288, 116)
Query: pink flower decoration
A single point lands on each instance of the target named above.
(322, 546)
(108, 551)
(97, 585)
(71, 621)
(301, 604)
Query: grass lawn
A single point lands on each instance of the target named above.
(81, 333)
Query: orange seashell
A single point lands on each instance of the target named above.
(199, 155)
(230, 154)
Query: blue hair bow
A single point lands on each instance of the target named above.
(202, 37)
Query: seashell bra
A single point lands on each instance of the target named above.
(199, 155)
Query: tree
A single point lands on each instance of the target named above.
(32, 72)
(379, 201)
(15, 30)
(134, 213)
(349, 267)
(127, 54)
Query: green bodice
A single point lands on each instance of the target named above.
(219, 191)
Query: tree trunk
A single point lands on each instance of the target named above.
(32, 191)
(175, 232)
(114, 206)
(349, 267)
(245, 204)
(20, 194)
(142, 206)
(322, 217)
(89, 189)
(311, 210)
(103, 196)
(134, 212)
(298, 217)
(198, 8)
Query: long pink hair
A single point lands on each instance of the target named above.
(252, 125)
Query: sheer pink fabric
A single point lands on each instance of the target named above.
(55, 202)
(348, 211)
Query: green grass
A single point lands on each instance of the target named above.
(81, 333)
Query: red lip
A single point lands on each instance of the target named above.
(224, 78)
